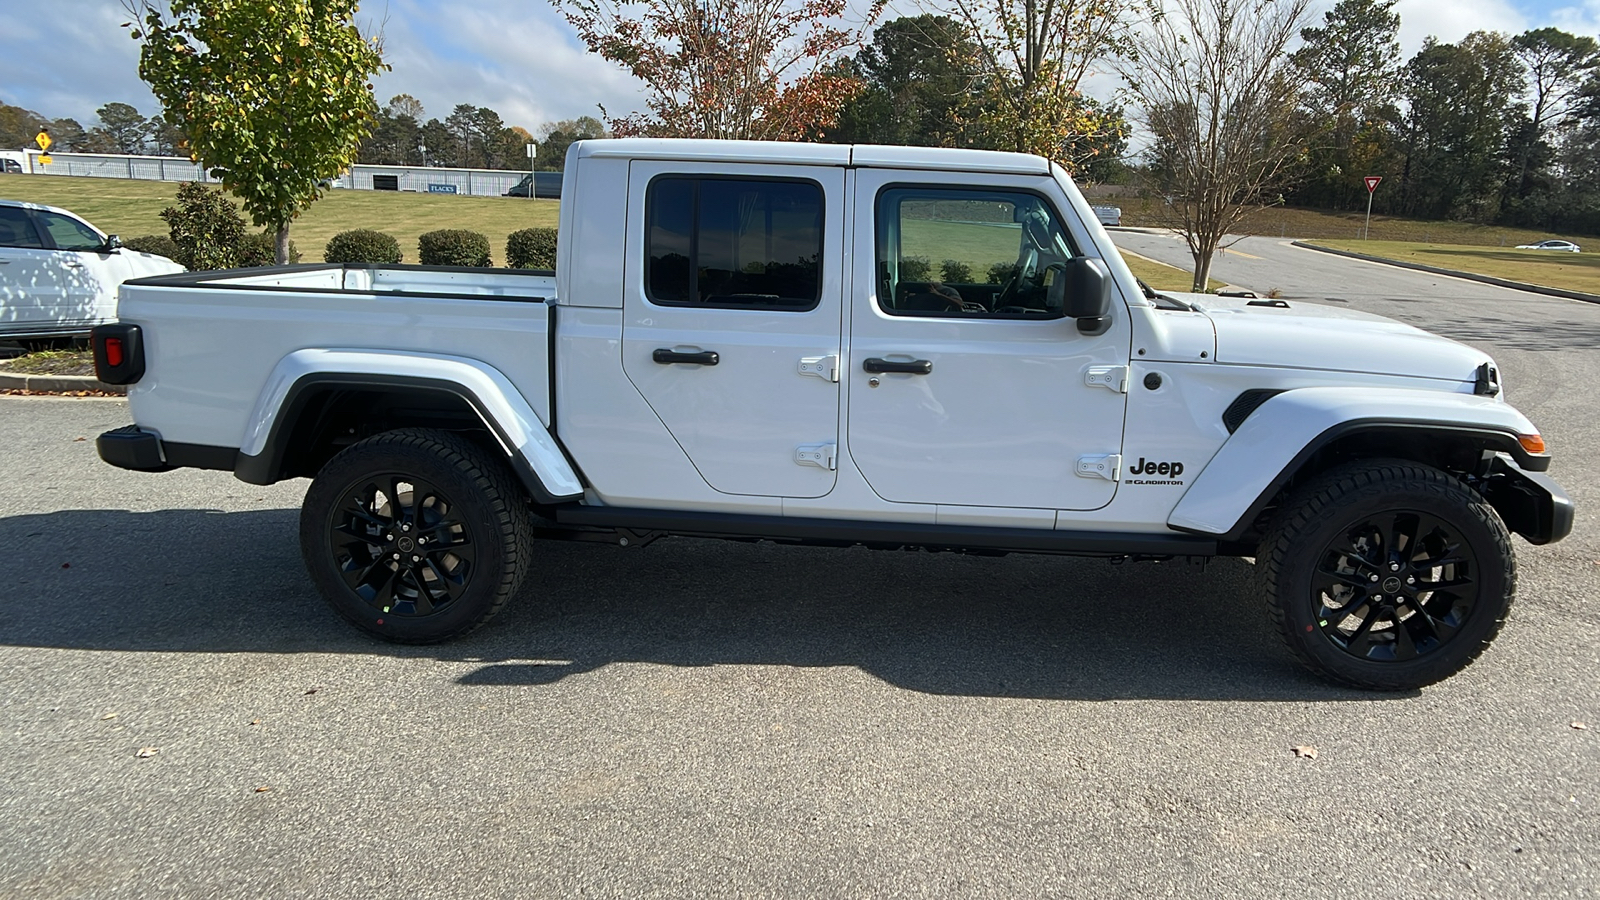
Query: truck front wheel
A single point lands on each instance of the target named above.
(415, 535)
(1387, 575)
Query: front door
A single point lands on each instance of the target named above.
(731, 318)
(89, 275)
(967, 384)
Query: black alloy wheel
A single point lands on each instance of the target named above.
(416, 536)
(1387, 575)
(1395, 586)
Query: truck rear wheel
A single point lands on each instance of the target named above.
(415, 535)
(1387, 575)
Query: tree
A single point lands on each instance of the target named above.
(443, 148)
(555, 137)
(166, 139)
(274, 95)
(123, 126)
(1034, 54)
(404, 105)
(920, 77)
(750, 69)
(1351, 72)
(1219, 97)
(1557, 63)
(68, 135)
(1460, 99)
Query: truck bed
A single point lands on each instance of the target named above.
(213, 339)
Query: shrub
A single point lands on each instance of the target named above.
(532, 248)
(261, 249)
(206, 228)
(955, 272)
(916, 268)
(1002, 273)
(453, 247)
(159, 244)
(363, 245)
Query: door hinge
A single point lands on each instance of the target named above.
(1107, 466)
(824, 367)
(1113, 377)
(823, 456)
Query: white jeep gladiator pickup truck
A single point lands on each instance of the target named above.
(885, 346)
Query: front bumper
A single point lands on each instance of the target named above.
(1530, 503)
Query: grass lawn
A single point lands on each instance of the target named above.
(131, 208)
(1571, 271)
(1289, 222)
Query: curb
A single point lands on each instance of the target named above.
(57, 384)
(1469, 276)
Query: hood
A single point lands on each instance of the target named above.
(145, 264)
(1301, 335)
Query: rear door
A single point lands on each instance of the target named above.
(32, 296)
(731, 318)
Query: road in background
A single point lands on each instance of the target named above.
(695, 718)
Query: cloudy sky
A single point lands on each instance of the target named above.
(517, 57)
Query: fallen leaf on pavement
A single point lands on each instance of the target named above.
(1580, 726)
(313, 690)
(1305, 752)
(263, 789)
(77, 440)
(255, 721)
(108, 716)
(147, 752)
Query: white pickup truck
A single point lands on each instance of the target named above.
(835, 345)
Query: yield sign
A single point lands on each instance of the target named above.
(1372, 182)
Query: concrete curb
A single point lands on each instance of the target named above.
(1470, 276)
(57, 384)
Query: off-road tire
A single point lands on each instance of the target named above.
(468, 533)
(1301, 551)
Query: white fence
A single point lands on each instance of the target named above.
(475, 182)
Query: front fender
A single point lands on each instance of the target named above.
(1282, 434)
(533, 452)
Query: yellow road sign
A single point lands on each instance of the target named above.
(45, 160)
(43, 140)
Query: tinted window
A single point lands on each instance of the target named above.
(70, 234)
(966, 253)
(16, 229)
(740, 243)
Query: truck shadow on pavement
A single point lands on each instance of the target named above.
(1017, 627)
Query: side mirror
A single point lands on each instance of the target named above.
(113, 243)
(1082, 289)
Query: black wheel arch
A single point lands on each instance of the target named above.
(325, 412)
(1471, 453)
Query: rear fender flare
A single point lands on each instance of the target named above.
(533, 453)
(1272, 444)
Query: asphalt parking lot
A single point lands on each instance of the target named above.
(704, 719)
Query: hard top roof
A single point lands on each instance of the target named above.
(803, 154)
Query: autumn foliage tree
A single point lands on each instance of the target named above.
(734, 69)
(273, 95)
(1035, 55)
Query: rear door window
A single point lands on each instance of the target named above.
(734, 243)
(16, 229)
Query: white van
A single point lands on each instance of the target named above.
(14, 162)
(59, 275)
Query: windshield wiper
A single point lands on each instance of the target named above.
(1162, 301)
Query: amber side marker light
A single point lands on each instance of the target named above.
(1531, 443)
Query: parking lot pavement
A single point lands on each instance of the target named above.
(703, 719)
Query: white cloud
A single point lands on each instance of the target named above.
(70, 59)
(1582, 19)
(1452, 20)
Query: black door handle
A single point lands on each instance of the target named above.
(700, 358)
(918, 367)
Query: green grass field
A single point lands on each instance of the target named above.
(1571, 271)
(132, 208)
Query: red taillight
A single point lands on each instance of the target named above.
(113, 352)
